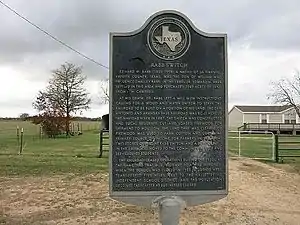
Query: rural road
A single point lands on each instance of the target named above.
(259, 194)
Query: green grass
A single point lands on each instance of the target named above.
(251, 145)
(8, 131)
(10, 126)
(79, 154)
(76, 155)
(261, 146)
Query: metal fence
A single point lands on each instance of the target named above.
(14, 138)
(252, 144)
(286, 146)
(12, 141)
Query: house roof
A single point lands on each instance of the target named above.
(262, 108)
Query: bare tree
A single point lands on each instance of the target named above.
(104, 91)
(287, 92)
(65, 93)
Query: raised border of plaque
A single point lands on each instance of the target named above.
(147, 198)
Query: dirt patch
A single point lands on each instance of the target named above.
(259, 194)
(253, 168)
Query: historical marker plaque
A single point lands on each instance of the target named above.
(168, 112)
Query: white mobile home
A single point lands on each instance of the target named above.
(239, 115)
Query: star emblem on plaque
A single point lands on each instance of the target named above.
(168, 38)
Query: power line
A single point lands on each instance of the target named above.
(51, 36)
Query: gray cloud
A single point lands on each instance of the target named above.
(85, 25)
(22, 103)
(40, 66)
(249, 92)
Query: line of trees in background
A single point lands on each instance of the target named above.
(64, 96)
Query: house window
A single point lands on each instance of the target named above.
(290, 117)
(264, 121)
(263, 118)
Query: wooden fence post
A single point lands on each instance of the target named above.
(21, 141)
(101, 143)
(41, 131)
(18, 135)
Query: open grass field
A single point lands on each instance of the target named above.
(262, 147)
(77, 154)
(251, 145)
(9, 126)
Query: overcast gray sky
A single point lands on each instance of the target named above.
(264, 42)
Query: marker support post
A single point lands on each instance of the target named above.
(169, 210)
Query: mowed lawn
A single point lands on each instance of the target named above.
(262, 146)
(251, 145)
(77, 154)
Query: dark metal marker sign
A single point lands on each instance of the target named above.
(168, 112)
